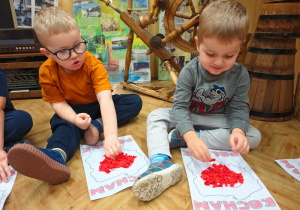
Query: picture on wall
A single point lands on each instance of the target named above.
(107, 37)
(26, 9)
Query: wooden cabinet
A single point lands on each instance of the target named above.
(22, 74)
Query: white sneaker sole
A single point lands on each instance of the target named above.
(151, 186)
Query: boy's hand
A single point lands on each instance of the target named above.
(197, 147)
(82, 121)
(112, 146)
(4, 169)
(238, 141)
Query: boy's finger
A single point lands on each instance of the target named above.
(7, 171)
(232, 142)
(110, 156)
(89, 120)
(119, 147)
(3, 176)
(110, 153)
(206, 157)
(245, 148)
(238, 147)
(115, 150)
(202, 156)
(206, 154)
(86, 119)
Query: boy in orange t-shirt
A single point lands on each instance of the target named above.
(76, 85)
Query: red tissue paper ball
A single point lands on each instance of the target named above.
(219, 175)
(122, 160)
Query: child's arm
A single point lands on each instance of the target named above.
(238, 141)
(196, 146)
(181, 112)
(112, 145)
(4, 169)
(65, 111)
(239, 114)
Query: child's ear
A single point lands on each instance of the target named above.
(197, 43)
(45, 52)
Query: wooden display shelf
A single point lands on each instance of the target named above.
(18, 55)
(22, 62)
(22, 94)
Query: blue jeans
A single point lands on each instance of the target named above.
(17, 124)
(66, 135)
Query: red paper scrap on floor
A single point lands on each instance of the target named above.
(121, 161)
(219, 175)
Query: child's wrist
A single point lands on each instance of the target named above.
(238, 130)
(190, 136)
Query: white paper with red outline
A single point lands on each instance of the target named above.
(101, 184)
(291, 166)
(252, 194)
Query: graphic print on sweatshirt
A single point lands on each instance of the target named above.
(206, 103)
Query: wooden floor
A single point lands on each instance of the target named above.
(280, 140)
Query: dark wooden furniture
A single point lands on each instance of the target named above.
(270, 61)
(22, 74)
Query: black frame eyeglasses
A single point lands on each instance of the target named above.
(79, 46)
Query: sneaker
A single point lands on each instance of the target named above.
(92, 133)
(9, 146)
(158, 177)
(44, 164)
(175, 139)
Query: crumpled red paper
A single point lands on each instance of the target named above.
(120, 161)
(220, 175)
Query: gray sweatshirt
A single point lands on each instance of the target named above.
(199, 92)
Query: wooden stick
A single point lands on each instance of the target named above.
(173, 76)
(146, 91)
(181, 29)
(152, 17)
(108, 3)
(129, 47)
(128, 56)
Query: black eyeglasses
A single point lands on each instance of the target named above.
(65, 54)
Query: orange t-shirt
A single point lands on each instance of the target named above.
(77, 87)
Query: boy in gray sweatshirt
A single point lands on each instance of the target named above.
(210, 107)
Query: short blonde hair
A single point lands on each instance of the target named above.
(224, 19)
(53, 20)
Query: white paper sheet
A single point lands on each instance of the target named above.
(5, 188)
(101, 184)
(292, 166)
(252, 194)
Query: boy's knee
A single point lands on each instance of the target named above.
(254, 139)
(155, 115)
(134, 101)
(138, 102)
(28, 120)
(25, 119)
